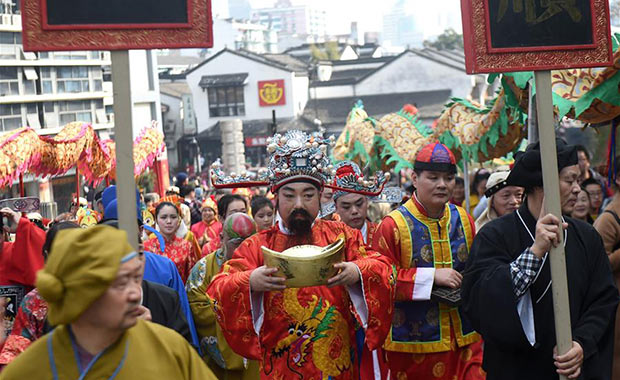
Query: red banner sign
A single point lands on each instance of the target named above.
(256, 141)
(116, 24)
(518, 35)
(271, 93)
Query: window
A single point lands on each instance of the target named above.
(29, 88)
(72, 79)
(9, 85)
(75, 111)
(7, 73)
(10, 116)
(10, 38)
(44, 55)
(46, 87)
(48, 106)
(46, 72)
(97, 85)
(226, 101)
(71, 55)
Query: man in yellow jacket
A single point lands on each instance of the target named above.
(92, 284)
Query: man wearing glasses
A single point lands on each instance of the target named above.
(596, 194)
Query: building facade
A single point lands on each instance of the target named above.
(249, 87)
(243, 34)
(47, 90)
(409, 23)
(294, 20)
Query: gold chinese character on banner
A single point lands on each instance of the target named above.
(271, 93)
(549, 9)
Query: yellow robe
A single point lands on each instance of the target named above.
(216, 352)
(145, 351)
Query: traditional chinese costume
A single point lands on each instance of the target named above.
(428, 339)
(303, 333)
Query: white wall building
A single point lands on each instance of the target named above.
(413, 69)
(227, 86)
(426, 78)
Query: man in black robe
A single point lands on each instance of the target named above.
(506, 287)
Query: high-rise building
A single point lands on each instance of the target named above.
(293, 20)
(236, 34)
(410, 22)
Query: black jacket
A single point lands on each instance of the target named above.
(491, 305)
(163, 302)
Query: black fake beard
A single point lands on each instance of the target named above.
(300, 224)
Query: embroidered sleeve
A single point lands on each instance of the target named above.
(523, 271)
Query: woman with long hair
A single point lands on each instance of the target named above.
(180, 251)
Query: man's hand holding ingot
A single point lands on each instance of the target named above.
(262, 280)
(348, 275)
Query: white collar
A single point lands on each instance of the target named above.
(280, 224)
(364, 231)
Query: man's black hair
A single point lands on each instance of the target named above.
(459, 181)
(148, 198)
(225, 201)
(581, 148)
(185, 190)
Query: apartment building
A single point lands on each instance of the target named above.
(47, 90)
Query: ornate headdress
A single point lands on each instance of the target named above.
(435, 157)
(87, 217)
(295, 156)
(210, 203)
(349, 179)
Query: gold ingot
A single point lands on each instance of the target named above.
(305, 265)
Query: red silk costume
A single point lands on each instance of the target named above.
(373, 365)
(305, 333)
(209, 231)
(180, 251)
(20, 261)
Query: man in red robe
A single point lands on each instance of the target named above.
(429, 240)
(301, 333)
(352, 207)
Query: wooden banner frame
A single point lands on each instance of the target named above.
(481, 57)
(37, 36)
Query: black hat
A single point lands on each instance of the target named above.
(527, 170)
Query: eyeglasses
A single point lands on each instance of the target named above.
(595, 194)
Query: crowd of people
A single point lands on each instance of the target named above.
(425, 289)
